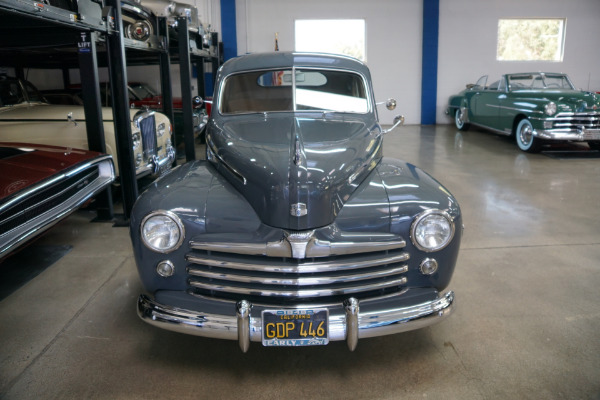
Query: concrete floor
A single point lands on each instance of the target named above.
(527, 283)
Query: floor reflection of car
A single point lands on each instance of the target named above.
(535, 108)
(26, 116)
(295, 230)
(40, 185)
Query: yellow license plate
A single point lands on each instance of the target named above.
(305, 327)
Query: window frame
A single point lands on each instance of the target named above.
(561, 39)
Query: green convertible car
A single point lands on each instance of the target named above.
(532, 107)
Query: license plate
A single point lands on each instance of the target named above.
(307, 327)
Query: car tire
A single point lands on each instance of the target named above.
(459, 119)
(594, 145)
(525, 138)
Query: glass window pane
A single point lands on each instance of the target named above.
(260, 91)
(531, 39)
(330, 91)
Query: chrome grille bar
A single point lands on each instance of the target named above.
(314, 248)
(305, 281)
(307, 267)
(302, 293)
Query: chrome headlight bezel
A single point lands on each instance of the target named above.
(424, 217)
(550, 108)
(176, 223)
(136, 138)
(161, 129)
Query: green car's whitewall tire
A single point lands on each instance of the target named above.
(525, 138)
(459, 119)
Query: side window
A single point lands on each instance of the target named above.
(32, 92)
(502, 85)
(481, 83)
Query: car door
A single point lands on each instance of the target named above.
(506, 110)
(485, 103)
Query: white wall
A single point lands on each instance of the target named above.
(393, 40)
(467, 42)
(468, 37)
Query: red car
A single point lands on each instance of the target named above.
(40, 185)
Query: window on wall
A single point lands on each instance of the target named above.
(531, 39)
(338, 36)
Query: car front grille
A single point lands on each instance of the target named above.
(148, 131)
(577, 121)
(46, 199)
(288, 281)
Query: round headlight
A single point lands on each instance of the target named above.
(162, 231)
(432, 230)
(550, 108)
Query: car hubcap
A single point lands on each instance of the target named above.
(526, 134)
(459, 118)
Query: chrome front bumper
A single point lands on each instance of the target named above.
(349, 324)
(578, 135)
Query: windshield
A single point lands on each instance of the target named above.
(539, 81)
(294, 90)
(142, 91)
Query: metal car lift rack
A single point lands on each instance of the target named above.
(34, 34)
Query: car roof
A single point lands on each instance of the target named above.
(274, 60)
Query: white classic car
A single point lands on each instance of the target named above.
(25, 116)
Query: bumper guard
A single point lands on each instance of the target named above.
(349, 326)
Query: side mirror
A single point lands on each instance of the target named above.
(399, 120)
(390, 104)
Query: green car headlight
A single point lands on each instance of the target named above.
(432, 230)
(550, 108)
(162, 231)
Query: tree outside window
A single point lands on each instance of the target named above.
(531, 39)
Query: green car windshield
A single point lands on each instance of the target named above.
(294, 90)
(539, 81)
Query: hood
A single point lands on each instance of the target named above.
(24, 165)
(297, 173)
(48, 112)
(566, 100)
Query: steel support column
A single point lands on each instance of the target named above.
(118, 84)
(186, 88)
(90, 87)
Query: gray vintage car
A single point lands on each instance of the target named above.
(296, 230)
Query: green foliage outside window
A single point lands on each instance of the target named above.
(530, 39)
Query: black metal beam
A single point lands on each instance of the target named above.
(90, 88)
(118, 82)
(165, 75)
(186, 88)
(200, 78)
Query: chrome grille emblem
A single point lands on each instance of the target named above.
(299, 241)
(298, 210)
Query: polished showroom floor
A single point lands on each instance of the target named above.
(527, 325)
